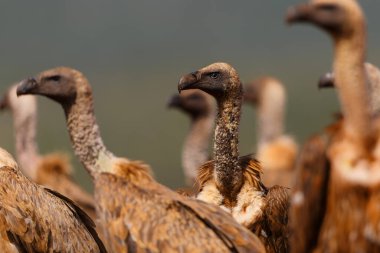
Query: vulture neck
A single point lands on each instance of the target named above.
(195, 149)
(228, 173)
(271, 112)
(85, 135)
(352, 87)
(25, 123)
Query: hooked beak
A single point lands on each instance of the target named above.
(26, 86)
(299, 13)
(174, 101)
(188, 81)
(4, 102)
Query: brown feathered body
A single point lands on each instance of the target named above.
(135, 213)
(35, 219)
(262, 210)
(352, 215)
(155, 219)
(233, 182)
(54, 170)
(309, 194)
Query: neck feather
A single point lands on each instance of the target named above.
(353, 89)
(195, 149)
(271, 114)
(24, 123)
(85, 135)
(228, 174)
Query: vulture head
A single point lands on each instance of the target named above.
(217, 79)
(340, 18)
(61, 84)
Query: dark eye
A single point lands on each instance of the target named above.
(54, 78)
(328, 7)
(214, 75)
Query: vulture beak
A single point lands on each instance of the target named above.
(250, 94)
(26, 86)
(174, 101)
(299, 13)
(188, 82)
(326, 81)
(4, 103)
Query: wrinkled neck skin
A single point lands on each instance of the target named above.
(85, 135)
(25, 124)
(351, 81)
(270, 112)
(228, 174)
(195, 150)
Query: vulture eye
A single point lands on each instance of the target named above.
(54, 78)
(214, 75)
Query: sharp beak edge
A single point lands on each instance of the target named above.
(187, 82)
(26, 86)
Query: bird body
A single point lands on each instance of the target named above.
(233, 182)
(135, 212)
(35, 219)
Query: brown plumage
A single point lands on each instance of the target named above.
(201, 109)
(135, 212)
(351, 221)
(52, 171)
(231, 182)
(276, 151)
(41, 220)
(309, 194)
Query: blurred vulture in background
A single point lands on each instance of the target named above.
(201, 109)
(351, 219)
(276, 151)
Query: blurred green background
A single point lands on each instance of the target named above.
(134, 52)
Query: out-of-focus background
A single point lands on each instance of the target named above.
(134, 52)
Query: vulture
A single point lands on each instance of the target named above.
(136, 213)
(36, 219)
(201, 109)
(351, 221)
(276, 151)
(52, 171)
(233, 182)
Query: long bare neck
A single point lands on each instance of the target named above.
(228, 174)
(25, 122)
(353, 90)
(195, 150)
(271, 111)
(85, 135)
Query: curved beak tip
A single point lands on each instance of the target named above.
(26, 86)
(173, 101)
(290, 15)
